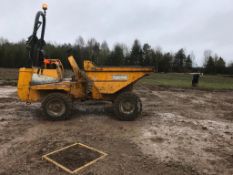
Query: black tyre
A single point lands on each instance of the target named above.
(57, 106)
(127, 106)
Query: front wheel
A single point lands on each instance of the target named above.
(127, 106)
(57, 106)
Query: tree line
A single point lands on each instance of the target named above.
(15, 55)
(214, 64)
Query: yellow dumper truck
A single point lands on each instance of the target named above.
(43, 81)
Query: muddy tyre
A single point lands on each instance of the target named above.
(127, 106)
(57, 106)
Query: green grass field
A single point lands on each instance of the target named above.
(207, 82)
(211, 82)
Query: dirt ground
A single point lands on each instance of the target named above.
(179, 132)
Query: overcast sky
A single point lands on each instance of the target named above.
(195, 25)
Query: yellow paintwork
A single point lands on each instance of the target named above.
(25, 76)
(75, 68)
(26, 91)
(49, 72)
(77, 90)
(104, 80)
(90, 67)
(55, 73)
(109, 80)
(105, 83)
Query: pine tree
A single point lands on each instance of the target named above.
(117, 56)
(166, 63)
(220, 65)
(157, 57)
(104, 53)
(210, 66)
(147, 55)
(179, 61)
(136, 57)
(188, 63)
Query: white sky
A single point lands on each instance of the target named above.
(195, 25)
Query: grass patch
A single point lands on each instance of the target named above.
(8, 74)
(208, 82)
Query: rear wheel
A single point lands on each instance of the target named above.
(57, 106)
(127, 106)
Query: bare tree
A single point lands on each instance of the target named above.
(80, 42)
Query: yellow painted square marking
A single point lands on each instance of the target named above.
(67, 162)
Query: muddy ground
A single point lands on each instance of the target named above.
(179, 132)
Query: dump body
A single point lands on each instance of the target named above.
(110, 80)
